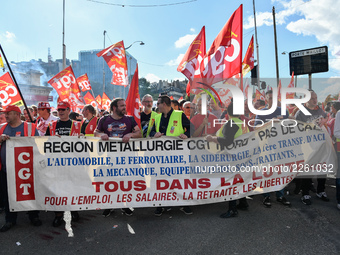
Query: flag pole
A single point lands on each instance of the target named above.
(16, 84)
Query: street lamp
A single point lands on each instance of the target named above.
(140, 43)
(104, 65)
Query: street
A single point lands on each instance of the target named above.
(298, 229)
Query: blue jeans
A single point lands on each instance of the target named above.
(278, 193)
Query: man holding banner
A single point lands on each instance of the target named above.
(170, 123)
(118, 125)
(317, 117)
(63, 127)
(14, 128)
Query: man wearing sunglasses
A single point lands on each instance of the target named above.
(170, 123)
(63, 127)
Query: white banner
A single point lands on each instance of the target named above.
(71, 173)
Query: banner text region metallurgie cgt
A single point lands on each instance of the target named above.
(71, 173)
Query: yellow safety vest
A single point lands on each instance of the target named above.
(151, 123)
(175, 127)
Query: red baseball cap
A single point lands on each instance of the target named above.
(10, 108)
(44, 105)
(63, 105)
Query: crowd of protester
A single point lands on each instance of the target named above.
(181, 119)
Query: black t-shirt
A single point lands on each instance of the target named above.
(62, 128)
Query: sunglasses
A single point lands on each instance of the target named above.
(61, 110)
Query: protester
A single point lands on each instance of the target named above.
(259, 120)
(337, 147)
(215, 108)
(317, 117)
(75, 116)
(170, 123)
(2, 117)
(63, 127)
(204, 124)
(227, 137)
(147, 116)
(13, 128)
(90, 123)
(35, 111)
(27, 118)
(119, 125)
(174, 104)
(45, 117)
(186, 109)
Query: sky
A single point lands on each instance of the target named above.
(167, 27)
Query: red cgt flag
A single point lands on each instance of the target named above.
(84, 83)
(190, 64)
(64, 82)
(133, 99)
(9, 94)
(224, 58)
(89, 99)
(116, 60)
(248, 61)
(106, 102)
(99, 101)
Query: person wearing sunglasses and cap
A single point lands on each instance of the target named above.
(63, 127)
(13, 128)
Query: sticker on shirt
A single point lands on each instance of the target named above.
(175, 123)
(18, 133)
(172, 130)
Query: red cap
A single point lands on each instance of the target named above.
(12, 108)
(63, 105)
(44, 105)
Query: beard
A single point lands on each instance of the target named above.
(120, 113)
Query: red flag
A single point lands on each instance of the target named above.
(116, 60)
(172, 98)
(259, 96)
(89, 99)
(99, 101)
(9, 94)
(190, 64)
(84, 83)
(224, 58)
(62, 83)
(106, 102)
(181, 98)
(133, 99)
(248, 61)
(291, 85)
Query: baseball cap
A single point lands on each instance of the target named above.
(63, 105)
(12, 108)
(44, 105)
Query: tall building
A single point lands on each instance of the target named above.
(89, 63)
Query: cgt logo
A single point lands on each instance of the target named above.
(24, 177)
